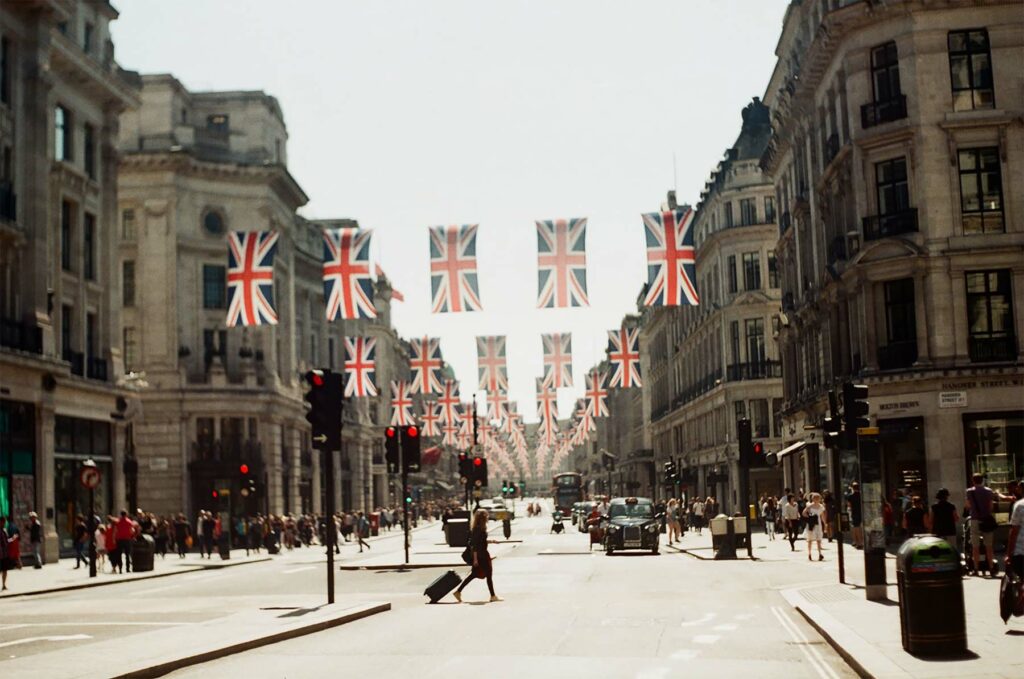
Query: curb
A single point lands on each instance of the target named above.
(858, 653)
(104, 583)
(206, 656)
(403, 567)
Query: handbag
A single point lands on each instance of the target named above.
(467, 555)
(812, 520)
(188, 541)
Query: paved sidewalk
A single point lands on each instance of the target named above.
(867, 633)
(63, 576)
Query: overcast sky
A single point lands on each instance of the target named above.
(409, 114)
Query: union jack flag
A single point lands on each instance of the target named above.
(557, 360)
(511, 421)
(671, 259)
(562, 263)
(624, 356)
(465, 437)
(449, 403)
(453, 280)
(497, 406)
(360, 366)
(426, 366)
(547, 411)
(401, 404)
(596, 394)
(431, 418)
(348, 288)
(451, 435)
(490, 359)
(251, 278)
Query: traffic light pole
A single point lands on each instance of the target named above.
(837, 489)
(405, 494)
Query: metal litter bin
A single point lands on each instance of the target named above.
(456, 532)
(143, 549)
(931, 591)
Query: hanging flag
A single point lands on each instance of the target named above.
(401, 404)
(431, 419)
(453, 279)
(490, 359)
(449, 402)
(557, 360)
(431, 455)
(348, 287)
(624, 357)
(360, 366)
(251, 278)
(596, 394)
(451, 435)
(547, 411)
(497, 408)
(395, 294)
(511, 421)
(425, 365)
(562, 263)
(671, 259)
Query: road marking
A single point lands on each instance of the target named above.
(298, 570)
(727, 627)
(810, 652)
(29, 640)
(685, 654)
(706, 638)
(159, 623)
(707, 617)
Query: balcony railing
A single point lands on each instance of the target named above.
(897, 355)
(837, 250)
(21, 336)
(8, 202)
(878, 112)
(988, 349)
(96, 369)
(227, 450)
(760, 370)
(894, 224)
(77, 361)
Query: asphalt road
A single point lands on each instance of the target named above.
(567, 612)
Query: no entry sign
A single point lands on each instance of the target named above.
(89, 477)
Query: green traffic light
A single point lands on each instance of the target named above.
(408, 500)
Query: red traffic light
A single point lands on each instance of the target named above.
(758, 448)
(243, 468)
(412, 431)
(477, 461)
(315, 377)
(390, 432)
(214, 494)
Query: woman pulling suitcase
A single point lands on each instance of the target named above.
(481, 557)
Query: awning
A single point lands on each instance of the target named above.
(443, 485)
(789, 450)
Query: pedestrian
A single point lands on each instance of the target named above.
(182, 535)
(125, 531)
(110, 542)
(672, 515)
(943, 518)
(830, 509)
(888, 520)
(856, 515)
(481, 557)
(815, 516)
(100, 536)
(13, 542)
(35, 538)
(698, 514)
(770, 513)
(6, 562)
(209, 535)
(80, 537)
(791, 520)
(1015, 540)
(362, 530)
(915, 517)
(980, 502)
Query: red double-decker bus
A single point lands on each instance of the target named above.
(566, 490)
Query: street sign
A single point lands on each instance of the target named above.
(89, 477)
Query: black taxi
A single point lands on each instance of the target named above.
(631, 524)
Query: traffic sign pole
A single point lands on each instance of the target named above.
(89, 476)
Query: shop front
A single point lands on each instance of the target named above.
(76, 440)
(903, 456)
(17, 460)
(994, 447)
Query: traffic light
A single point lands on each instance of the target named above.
(670, 472)
(324, 399)
(391, 449)
(758, 450)
(411, 448)
(408, 495)
(243, 469)
(465, 468)
(745, 443)
(479, 472)
(833, 428)
(855, 411)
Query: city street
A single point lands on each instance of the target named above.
(567, 612)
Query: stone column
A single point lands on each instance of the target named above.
(270, 444)
(295, 461)
(45, 495)
(869, 342)
(356, 475)
(119, 482)
(921, 318)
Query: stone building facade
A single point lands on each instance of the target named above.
(897, 157)
(194, 166)
(63, 397)
(717, 362)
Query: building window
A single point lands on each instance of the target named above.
(66, 215)
(970, 70)
(218, 122)
(759, 423)
(62, 134)
(214, 286)
(728, 214)
(89, 139)
(891, 186)
(994, 444)
(769, 209)
(740, 411)
(128, 282)
(90, 335)
(885, 73)
(215, 343)
(213, 222)
(990, 316)
(65, 330)
(89, 247)
(748, 211)
(732, 273)
(734, 341)
(754, 330)
(981, 191)
(900, 350)
(130, 349)
(751, 270)
(777, 417)
(128, 225)
(773, 271)
(5, 70)
(88, 37)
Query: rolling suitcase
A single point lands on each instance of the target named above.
(439, 588)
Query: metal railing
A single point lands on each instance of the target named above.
(998, 348)
(893, 224)
(77, 361)
(759, 370)
(96, 369)
(878, 112)
(21, 336)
